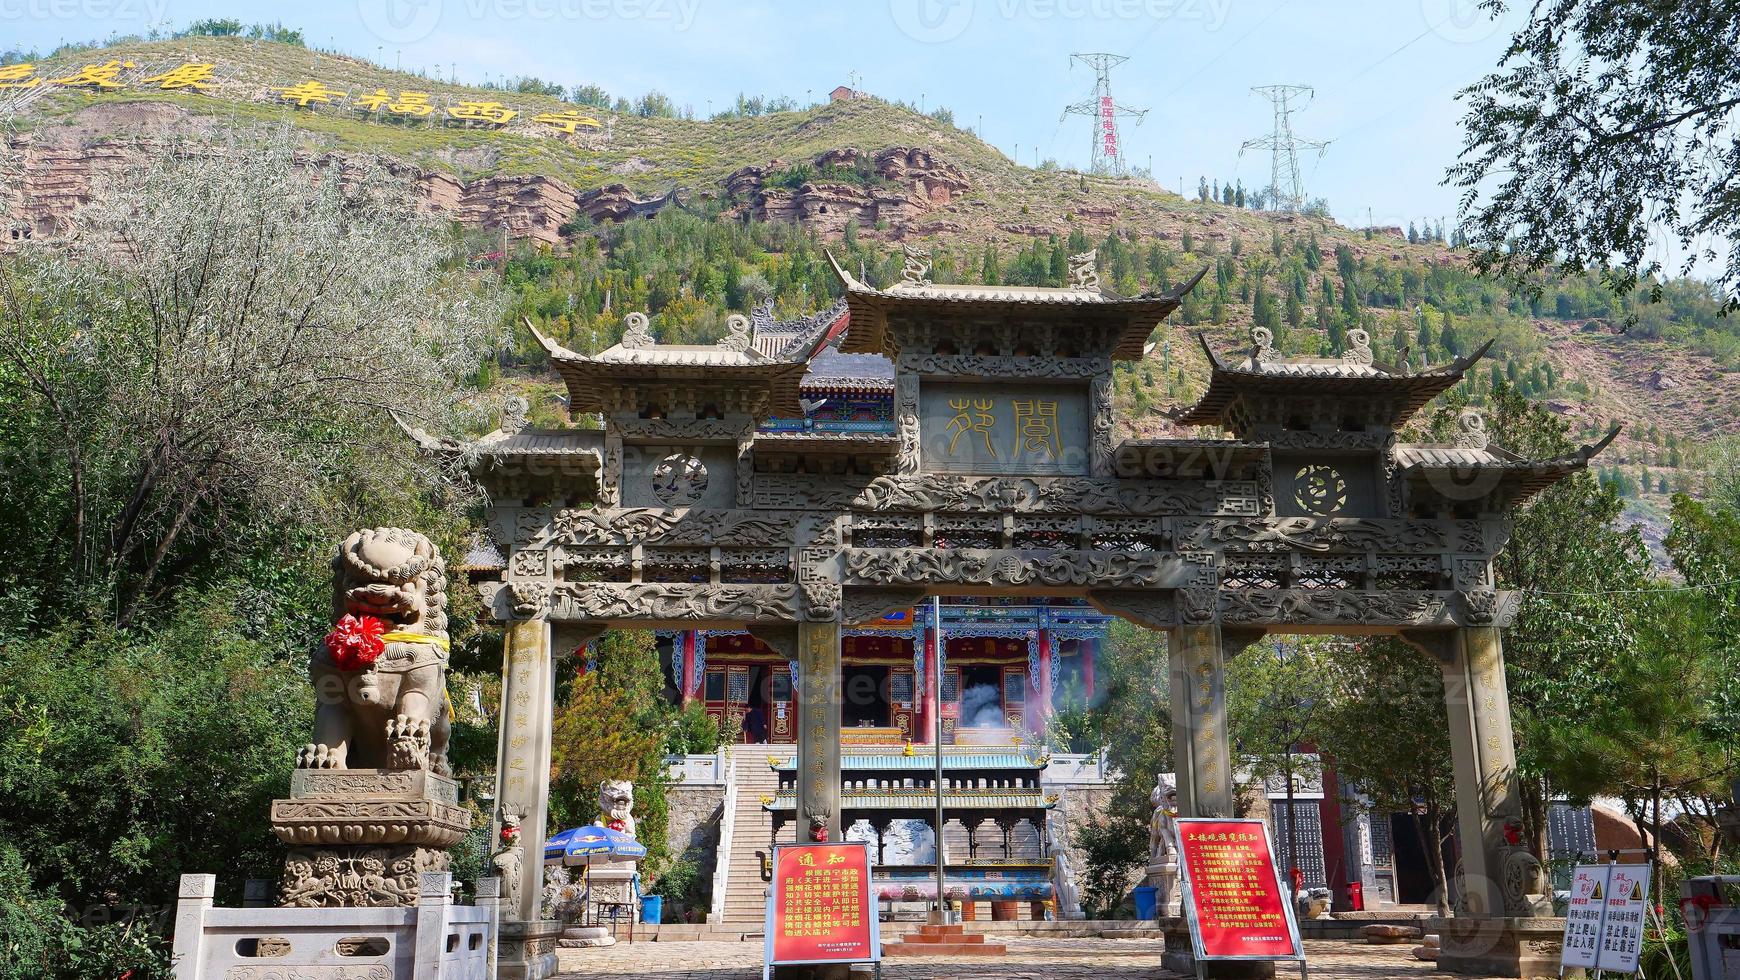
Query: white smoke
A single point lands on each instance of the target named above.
(982, 707)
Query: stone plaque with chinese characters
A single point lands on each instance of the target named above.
(1033, 430)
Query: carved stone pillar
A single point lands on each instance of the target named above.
(1197, 658)
(818, 787)
(1503, 924)
(1202, 756)
(523, 759)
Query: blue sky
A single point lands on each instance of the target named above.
(1385, 74)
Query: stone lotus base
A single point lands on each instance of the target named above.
(1499, 947)
(359, 837)
(585, 937)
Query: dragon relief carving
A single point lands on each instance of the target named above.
(1076, 568)
(906, 412)
(1061, 494)
(732, 603)
(654, 525)
(1309, 534)
(1326, 606)
(382, 672)
(1083, 272)
(914, 266)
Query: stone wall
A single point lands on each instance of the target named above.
(1081, 804)
(693, 829)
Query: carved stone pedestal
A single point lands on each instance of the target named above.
(359, 837)
(1180, 957)
(1168, 897)
(1499, 947)
(528, 949)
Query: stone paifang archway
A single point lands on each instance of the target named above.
(1003, 478)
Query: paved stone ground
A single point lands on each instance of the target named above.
(1028, 959)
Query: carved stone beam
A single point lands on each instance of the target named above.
(782, 640)
(868, 605)
(1155, 610)
(572, 635)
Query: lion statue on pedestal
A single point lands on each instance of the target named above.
(381, 675)
(616, 805)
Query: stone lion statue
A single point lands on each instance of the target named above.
(1162, 829)
(381, 675)
(616, 803)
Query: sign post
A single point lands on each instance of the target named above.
(820, 908)
(1234, 900)
(1605, 919)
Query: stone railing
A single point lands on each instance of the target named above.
(697, 770)
(727, 832)
(433, 940)
(1076, 767)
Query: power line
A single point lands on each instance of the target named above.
(1108, 151)
(1286, 185)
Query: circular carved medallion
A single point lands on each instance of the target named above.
(680, 479)
(1320, 490)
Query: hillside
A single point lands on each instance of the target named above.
(858, 175)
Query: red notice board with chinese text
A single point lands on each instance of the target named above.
(819, 906)
(1233, 896)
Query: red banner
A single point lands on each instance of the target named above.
(820, 909)
(1237, 906)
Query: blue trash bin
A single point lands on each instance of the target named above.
(1147, 902)
(652, 907)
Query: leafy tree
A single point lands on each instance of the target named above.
(591, 95)
(245, 333)
(1606, 123)
(1132, 720)
(1385, 730)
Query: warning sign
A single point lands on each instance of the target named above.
(1233, 898)
(1627, 903)
(819, 906)
(1605, 918)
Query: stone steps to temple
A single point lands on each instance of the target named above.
(751, 831)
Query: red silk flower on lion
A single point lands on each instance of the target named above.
(356, 642)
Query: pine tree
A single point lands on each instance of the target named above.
(1201, 193)
(1295, 311)
(990, 271)
(1413, 235)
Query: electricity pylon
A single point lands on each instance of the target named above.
(1285, 183)
(1108, 150)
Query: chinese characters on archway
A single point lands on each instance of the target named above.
(401, 105)
(977, 428)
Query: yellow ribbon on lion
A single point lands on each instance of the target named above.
(405, 636)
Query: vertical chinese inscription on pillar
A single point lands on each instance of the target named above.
(817, 672)
(520, 692)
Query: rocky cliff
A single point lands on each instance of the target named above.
(895, 189)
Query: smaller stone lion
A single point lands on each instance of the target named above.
(616, 803)
(381, 676)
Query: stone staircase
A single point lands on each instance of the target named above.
(745, 892)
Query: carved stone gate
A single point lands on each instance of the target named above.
(1004, 477)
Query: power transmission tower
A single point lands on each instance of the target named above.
(1108, 150)
(1285, 184)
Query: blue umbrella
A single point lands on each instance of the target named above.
(582, 846)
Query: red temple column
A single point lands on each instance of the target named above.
(927, 702)
(688, 683)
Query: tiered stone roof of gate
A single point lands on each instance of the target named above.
(870, 307)
(1268, 376)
